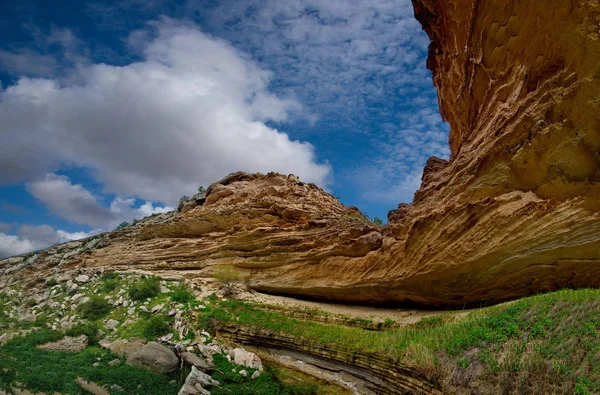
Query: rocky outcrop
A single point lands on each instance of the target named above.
(374, 373)
(515, 211)
(67, 343)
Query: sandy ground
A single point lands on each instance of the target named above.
(376, 314)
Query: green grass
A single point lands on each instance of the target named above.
(50, 371)
(267, 383)
(546, 343)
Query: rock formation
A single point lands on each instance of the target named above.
(515, 210)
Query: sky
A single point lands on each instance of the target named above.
(111, 111)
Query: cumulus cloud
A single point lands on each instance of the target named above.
(31, 238)
(360, 68)
(193, 110)
(76, 204)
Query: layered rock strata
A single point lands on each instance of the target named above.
(515, 211)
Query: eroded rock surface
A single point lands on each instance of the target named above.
(155, 357)
(515, 210)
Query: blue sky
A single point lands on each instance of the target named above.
(110, 112)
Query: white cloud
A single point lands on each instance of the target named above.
(189, 113)
(339, 57)
(31, 238)
(27, 62)
(76, 204)
(359, 66)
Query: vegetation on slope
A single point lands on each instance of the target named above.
(543, 344)
(24, 365)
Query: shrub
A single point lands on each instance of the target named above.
(90, 329)
(110, 281)
(110, 276)
(145, 288)
(95, 308)
(51, 282)
(182, 294)
(157, 325)
(122, 225)
(227, 276)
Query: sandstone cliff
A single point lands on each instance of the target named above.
(514, 212)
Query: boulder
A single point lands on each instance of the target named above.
(155, 357)
(68, 343)
(111, 324)
(122, 347)
(195, 383)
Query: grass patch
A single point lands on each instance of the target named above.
(145, 288)
(54, 371)
(267, 383)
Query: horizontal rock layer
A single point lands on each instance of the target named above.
(515, 211)
(379, 374)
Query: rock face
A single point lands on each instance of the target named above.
(515, 211)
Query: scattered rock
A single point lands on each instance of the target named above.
(114, 362)
(244, 373)
(192, 359)
(195, 383)
(246, 358)
(76, 298)
(82, 278)
(209, 350)
(166, 338)
(111, 324)
(26, 316)
(255, 375)
(155, 357)
(68, 343)
(116, 388)
(157, 308)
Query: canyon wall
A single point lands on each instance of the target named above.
(515, 211)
